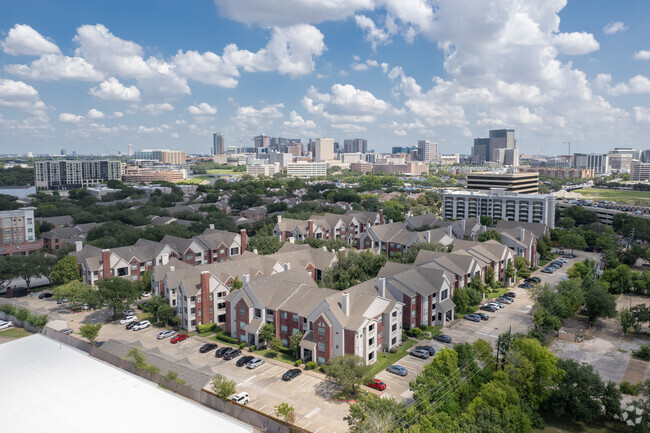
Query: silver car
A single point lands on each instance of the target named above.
(254, 363)
(165, 334)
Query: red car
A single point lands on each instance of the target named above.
(377, 384)
(178, 338)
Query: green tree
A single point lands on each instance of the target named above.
(619, 279)
(45, 264)
(483, 350)
(440, 384)
(285, 412)
(573, 241)
(599, 303)
(371, 203)
(275, 344)
(487, 221)
(223, 387)
(155, 305)
(90, 331)
(353, 268)
(166, 313)
(7, 269)
(509, 271)
(578, 395)
(626, 319)
(76, 292)
(28, 267)
(349, 371)
(373, 414)
(236, 284)
(489, 277)
(264, 244)
(267, 333)
(65, 271)
(294, 343)
(461, 300)
(118, 293)
(489, 235)
(521, 263)
(145, 281)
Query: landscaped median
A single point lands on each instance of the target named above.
(392, 358)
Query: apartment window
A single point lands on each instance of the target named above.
(321, 346)
(444, 294)
(234, 251)
(258, 313)
(269, 313)
(242, 325)
(221, 306)
(242, 311)
(149, 262)
(199, 313)
(192, 298)
(284, 342)
(379, 319)
(321, 360)
(134, 267)
(222, 250)
(412, 301)
(295, 318)
(413, 313)
(371, 342)
(284, 315)
(371, 356)
(210, 296)
(393, 341)
(394, 327)
(198, 254)
(371, 327)
(379, 333)
(283, 329)
(321, 330)
(192, 310)
(198, 299)
(394, 314)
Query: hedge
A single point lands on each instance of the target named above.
(311, 365)
(226, 338)
(8, 309)
(298, 362)
(208, 327)
(24, 315)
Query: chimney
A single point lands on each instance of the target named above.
(333, 251)
(292, 240)
(381, 216)
(324, 248)
(287, 266)
(164, 259)
(310, 228)
(244, 240)
(78, 246)
(205, 283)
(449, 231)
(483, 229)
(522, 234)
(211, 226)
(279, 219)
(462, 225)
(390, 221)
(345, 304)
(106, 263)
(255, 251)
(172, 268)
(382, 287)
(427, 236)
(245, 279)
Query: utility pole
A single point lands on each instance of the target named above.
(496, 364)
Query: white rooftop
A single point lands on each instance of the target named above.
(51, 387)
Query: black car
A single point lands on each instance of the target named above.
(536, 279)
(132, 324)
(511, 295)
(220, 352)
(524, 286)
(44, 295)
(483, 316)
(99, 343)
(290, 374)
(490, 308)
(443, 338)
(207, 347)
(430, 349)
(244, 360)
(232, 354)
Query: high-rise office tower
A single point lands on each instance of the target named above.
(499, 147)
(355, 145)
(130, 149)
(323, 149)
(63, 152)
(427, 150)
(262, 141)
(218, 147)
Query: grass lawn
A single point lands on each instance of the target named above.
(392, 358)
(14, 333)
(284, 357)
(619, 196)
(203, 334)
(222, 171)
(562, 425)
(195, 180)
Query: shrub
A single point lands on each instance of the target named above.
(323, 369)
(423, 327)
(404, 335)
(414, 332)
(8, 309)
(628, 388)
(298, 362)
(252, 348)
(227, 338)
(39, 321)
(22, 314)
(393, 350)
(208, 327)
(643, 352)
(271, 354)
(311, 365)
(171, 375)
(152, 369)
(242, 345)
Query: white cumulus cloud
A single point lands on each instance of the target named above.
(70, 118)
(17, 94)
(297, 122)
(614, 27)
(642, 55)
(202, 108)
(94, 113)
(24, 40)
(576, 43)
(113, 90)
(156, 109)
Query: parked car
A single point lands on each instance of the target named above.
(254, 363)
(61, 301)
(131, 325)
(128, 313)
(5, 324)
(483, 316)
(524, 286)
(443, 338)
(473, 317)
(290, 374)
(178, 338)
(45, 295)
(128, 319)
(490, 308)
(547, 270)
(207, 347)
(512, 295)
(232, 354)
(141, 325)
(530, 281)
(504, 300)
(377, 384)
(244, 360)
(569, 256)
(430, 349)
(220, 352)
(536, 279)
(99, 343)
(67, 331)
(165, 334)
(397, 369)
(420, 353)
(497, 304)
(241, 398)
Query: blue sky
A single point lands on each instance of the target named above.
(97, 76)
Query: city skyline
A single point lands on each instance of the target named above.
(87, 80)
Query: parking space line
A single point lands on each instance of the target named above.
(312, 413)
(312, 380)
(268, 371)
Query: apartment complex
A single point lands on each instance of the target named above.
(67, 174)
(413, 168)
(500, 205)
(567, 173)
(149, 174)
(166, 156)
(347, 227)
(306, 169)
(18, 232)
(510, 180)
(263, 169)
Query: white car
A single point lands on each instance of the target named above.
(128, 313)
(128, 319)
(241, 398)
(141, 325)
(254, 363)
(4, 324)
(165, 334)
